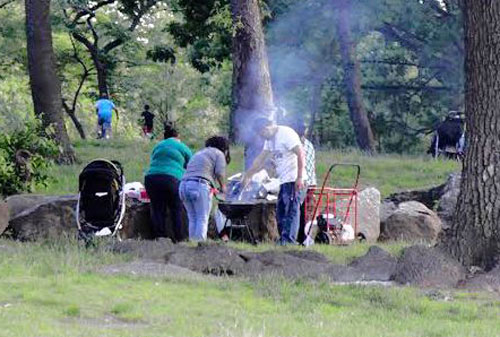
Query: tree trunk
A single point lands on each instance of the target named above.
(102, 78)
(474, 237)
(251, 92)
(352, 80)
(45, 85)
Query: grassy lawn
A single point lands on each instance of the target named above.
(53, 290)
(388, 173)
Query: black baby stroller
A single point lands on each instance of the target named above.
(101, 200)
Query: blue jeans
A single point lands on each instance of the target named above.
(197, 199)
(288, 213)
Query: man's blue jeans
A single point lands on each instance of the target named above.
(197, 199)
(288, 213)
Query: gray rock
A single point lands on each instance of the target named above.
(369, 214)
(489, 281)
(35, 217)
(23, 202)
(4, 216)
(448, 201)
(412, 221)
(387, 208)
(376, 264)
(428, 267)
(51, 217)
(221, 260)
(214, 259)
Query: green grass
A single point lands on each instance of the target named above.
(388, 173)
(53, 290)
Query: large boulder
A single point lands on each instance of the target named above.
(428, 267)
(22, 202)
(49, 218)
(35, 217)
(4, 216)
(387, 208)
(448, 201)
(412, 221)
(137, 222)
(369, 214)
(489, 281)
(376, 264)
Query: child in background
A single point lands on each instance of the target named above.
(147, 127)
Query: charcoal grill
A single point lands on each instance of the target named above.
(237, 212)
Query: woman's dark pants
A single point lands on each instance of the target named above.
(163, 190)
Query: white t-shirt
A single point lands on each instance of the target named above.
(281, 146)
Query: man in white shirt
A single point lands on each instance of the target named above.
(284, 146)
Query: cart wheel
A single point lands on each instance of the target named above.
(323, 238)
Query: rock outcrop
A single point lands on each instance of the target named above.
(33, 217)
(489, 281)
(412, 221)
(4, 216)
(42, 218)
(218, 259)
(428, 267)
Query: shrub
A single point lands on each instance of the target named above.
(25, 156)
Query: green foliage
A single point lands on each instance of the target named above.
(25, 156)
(206, 30)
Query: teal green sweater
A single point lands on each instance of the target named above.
(170, 157)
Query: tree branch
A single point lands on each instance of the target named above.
(136, 20)
(404, 38)
(82, 12)
(94, 33)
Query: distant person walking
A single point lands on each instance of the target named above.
(205, 168)
(167, 166)
(148, 121)
(104, 109)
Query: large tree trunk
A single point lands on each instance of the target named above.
(45, 85)
(475, 235)
(102, 78)
(352, 80)
(252, 93)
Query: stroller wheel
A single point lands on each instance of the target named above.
(323, 238)
(361, 237)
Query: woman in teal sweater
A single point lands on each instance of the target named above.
(168, 163)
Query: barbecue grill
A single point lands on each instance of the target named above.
(237, 212)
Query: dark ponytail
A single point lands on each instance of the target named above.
(221, 143)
